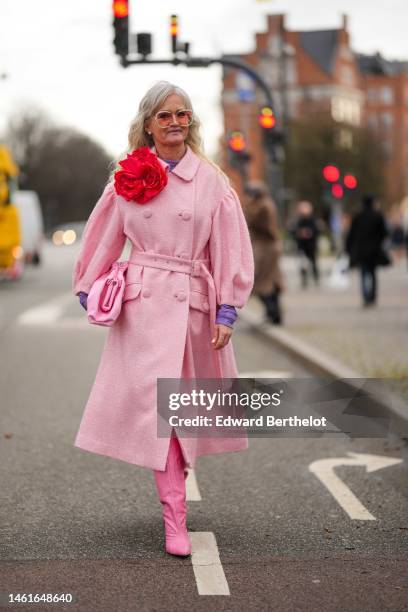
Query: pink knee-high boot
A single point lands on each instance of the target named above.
(171, 487)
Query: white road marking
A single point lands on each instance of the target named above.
(47, 313)
(50, 313)
(208, 571)
(266, 374)
(323, 469)
(192, 490)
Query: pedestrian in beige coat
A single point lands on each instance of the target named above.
(262, 219)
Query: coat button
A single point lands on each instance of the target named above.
(181, 296)
(146, 293)
(185, 215)
(206, 306)
(147, 213)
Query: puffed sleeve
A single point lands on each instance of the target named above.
(102, 243)
(231, 254)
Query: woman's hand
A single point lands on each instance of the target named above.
(222, 335)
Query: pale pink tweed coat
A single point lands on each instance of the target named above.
(165, 327)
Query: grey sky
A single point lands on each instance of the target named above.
(58, 54)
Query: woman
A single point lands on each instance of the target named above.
(261, 216)
(191, 265)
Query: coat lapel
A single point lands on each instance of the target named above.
(187, 167)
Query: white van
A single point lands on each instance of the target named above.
(32, 225)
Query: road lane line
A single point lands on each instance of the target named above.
(208, 571)
(192, 490)
(46, 313)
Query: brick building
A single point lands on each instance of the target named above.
(385, 85)
(317, 71)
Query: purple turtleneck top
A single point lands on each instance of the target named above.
(226, 315)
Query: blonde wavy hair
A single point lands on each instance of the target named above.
(148, 107)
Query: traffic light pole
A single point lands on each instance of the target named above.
(274, 167)
(204, 62)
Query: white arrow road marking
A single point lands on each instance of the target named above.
(192, 490)
(323, 469)
(208, 571)
(266, 374)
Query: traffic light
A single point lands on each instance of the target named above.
(273, 138)
(144, 43)
(236, 142)
(174, 32)
(350, 181)
(331, 173)
(266, 118)
(237, 153)
(337, 191)
(121, 26)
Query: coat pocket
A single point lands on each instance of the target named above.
(199, 294)
(199, 301)
(131, 292)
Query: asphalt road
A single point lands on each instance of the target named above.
(268, 532)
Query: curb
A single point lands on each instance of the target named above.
(322, 364)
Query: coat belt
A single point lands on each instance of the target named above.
(192, 267)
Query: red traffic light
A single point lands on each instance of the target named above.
(266, 118)
(236, 142)
(120, 8)
(337, 191)
(174, 25)
(331, 173)
(174, 32)
(350, 181)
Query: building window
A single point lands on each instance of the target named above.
(347, 75)
(371, 94)
(290, 71)
(345, 138)
(372, 122)
(387, 148)
(381, 95)
(387, 95)
(274, 45)
(386, 120)
(346, 110)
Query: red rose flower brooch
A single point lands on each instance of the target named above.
(142, 176)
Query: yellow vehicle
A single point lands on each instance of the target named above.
(11, 265)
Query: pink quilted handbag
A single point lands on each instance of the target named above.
(104, 301)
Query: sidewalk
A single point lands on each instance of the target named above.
(332, 324)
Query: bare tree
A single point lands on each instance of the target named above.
(314, 143)
(67, 168)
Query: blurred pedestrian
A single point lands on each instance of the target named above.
(305, 232)
(396, 233)
(261, 215)
(364, 244)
